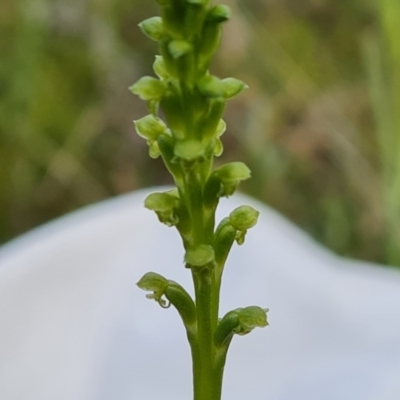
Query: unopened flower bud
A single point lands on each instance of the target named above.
(153, 28)
(243, 217)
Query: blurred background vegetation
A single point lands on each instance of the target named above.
(319, 126)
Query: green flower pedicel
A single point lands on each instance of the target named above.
(187, 137)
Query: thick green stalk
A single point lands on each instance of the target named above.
(204, 388)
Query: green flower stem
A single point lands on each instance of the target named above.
(204, 387)
(192, 101)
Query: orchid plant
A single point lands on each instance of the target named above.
(187, 137)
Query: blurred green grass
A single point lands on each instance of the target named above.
(319, 126)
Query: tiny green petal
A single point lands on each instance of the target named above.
(179, 48)
(153, 28)
(219, 13)
(200, 256)
(148, 88)
(232, 87)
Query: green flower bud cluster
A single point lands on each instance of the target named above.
(192, 99)
(184, 126)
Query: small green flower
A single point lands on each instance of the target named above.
(241, 322)
(157, 284)
(250, 318)
(164, 205)
(244, 217)
(229, 176)
(148, 88)
(150, 127)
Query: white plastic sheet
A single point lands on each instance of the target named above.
(73, 325)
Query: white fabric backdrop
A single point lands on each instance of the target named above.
(73, 325)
